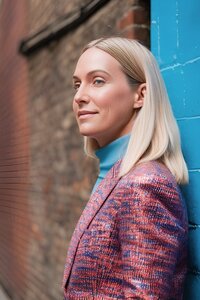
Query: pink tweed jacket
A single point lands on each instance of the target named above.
(131, 239)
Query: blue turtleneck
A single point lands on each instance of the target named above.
(109, 155)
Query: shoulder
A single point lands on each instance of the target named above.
(148, 179)
(150, 172)
(152, 185)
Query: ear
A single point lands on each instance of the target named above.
(139, 96)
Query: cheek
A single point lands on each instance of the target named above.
(122, 108)
(106, 100)
(118, 101)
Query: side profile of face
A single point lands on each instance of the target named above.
(104, 102)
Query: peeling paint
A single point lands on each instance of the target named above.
(178, 65)
(188, 118)
(158, 30)
(177, 25)
(194, 170)
(194, 226)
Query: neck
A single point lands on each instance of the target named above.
(109, 155)
(106, 140)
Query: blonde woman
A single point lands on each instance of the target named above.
(131, 239)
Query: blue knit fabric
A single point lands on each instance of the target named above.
(109, 155)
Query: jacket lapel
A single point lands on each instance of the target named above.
(94, 204)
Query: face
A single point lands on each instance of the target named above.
(104, 101)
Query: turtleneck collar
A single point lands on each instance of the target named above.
(109, 155)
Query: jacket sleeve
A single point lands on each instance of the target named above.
(151, 232)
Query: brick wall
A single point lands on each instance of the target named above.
(60, 175)
(14, 148)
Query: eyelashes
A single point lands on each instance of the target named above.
(97, 82)
(76, 86)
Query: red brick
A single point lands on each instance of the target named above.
(134, 16)
(138, 33)
(14, 212)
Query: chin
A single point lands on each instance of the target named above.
(88, 133)
(85, 133)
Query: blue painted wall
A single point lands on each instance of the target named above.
(175, 41)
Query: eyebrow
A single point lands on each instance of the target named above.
(92, 72)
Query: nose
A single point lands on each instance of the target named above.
(81, 96)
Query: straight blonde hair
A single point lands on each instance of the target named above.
(155, 134)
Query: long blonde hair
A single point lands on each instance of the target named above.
(155, 134)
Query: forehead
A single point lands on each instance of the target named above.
(94, 58)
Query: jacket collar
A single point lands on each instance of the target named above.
(94, 204)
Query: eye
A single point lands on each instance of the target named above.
(76, 85)
(98, 81)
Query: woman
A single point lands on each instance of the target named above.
(131, 240)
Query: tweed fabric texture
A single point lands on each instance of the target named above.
(131, 239)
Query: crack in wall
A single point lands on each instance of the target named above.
(178, 65)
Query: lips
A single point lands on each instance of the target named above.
(82, 114)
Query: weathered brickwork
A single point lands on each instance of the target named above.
(60, 175)
(14, 152)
